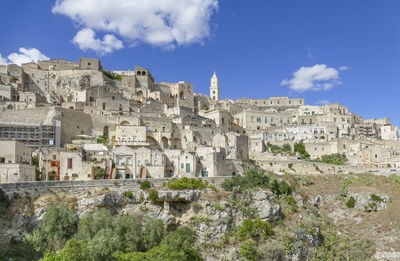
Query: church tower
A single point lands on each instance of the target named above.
(214, 88)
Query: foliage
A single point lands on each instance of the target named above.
(253, 178)
(112, 75)
(59, 225)
(350, 203)
(376, 198)
(335, 158)
(186, 183)
(14, 249)
(248, 251)
(100, 173)
(128, 194)
(280, 187)
(395, 179)
(102, 139)
(145, 184)
(74, 250)
(153, 196)
(154, 232)
(275, 149)
(290, 165)
(299, 147)
(255, 230)
(177, 245)
(292, 203)
(272, 250)
(4, 199)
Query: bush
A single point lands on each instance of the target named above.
(253, 178)
(128, 194)
(255, 230)
(145, 184)
(290, 165)
(4, 200)
(351, 202)
(186, 183)
(248, 251)
(335, 158)
(153, 196)
(100, 173)
(291, 202)
(376, 198)
(59, 224)
(301, 149)
(280, 188)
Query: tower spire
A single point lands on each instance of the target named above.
(214, 88)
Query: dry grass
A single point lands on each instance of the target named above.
(382, 227)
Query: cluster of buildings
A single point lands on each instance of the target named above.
(80, 122)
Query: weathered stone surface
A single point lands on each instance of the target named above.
(178, 195)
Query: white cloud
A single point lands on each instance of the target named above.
(323, 102)
(85, 39)
(157, 22)
(25, 55)
(3, 61)
(317, 77)
(344, 68)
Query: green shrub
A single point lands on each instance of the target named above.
(59, 224)
(376, 198)
(253, 178)
(4, 199)
(100, 173)
(292, 203)
(301, 149)
(255, 230)
(351, 202)
(186, 183)
(248, 251)
(145, 184)
(153, 196)
(290, 165)
(128, 194)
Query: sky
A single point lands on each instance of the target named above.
(324, 51)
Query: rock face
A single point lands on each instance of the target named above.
(265, 208)
(370, 202)
(179, 195)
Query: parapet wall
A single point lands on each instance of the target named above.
(91, 183)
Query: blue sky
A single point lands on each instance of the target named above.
(252, 45)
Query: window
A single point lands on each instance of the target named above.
(258, 119)
(182, 165)
(2, 160)
(187, 167)
(266, 120)
(129, 161)
(113, 97)
(147, 128)
(89, 63)
(223, 120)
(69, 162)
(54, 157)
(163, 128)
(104, 106)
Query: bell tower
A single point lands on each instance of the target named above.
(214, 88)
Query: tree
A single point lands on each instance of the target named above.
(301, 149)
(100, 173)
(59, 224)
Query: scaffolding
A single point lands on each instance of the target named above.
(31, 135)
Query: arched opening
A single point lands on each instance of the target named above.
(10, 107)
(165, 142)
(204, 107)
(151, 141)
(139, 73)
(139, 93)
(125, 123)
(181, 95)
(71, 108)
(106, 131)
(143, 73)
